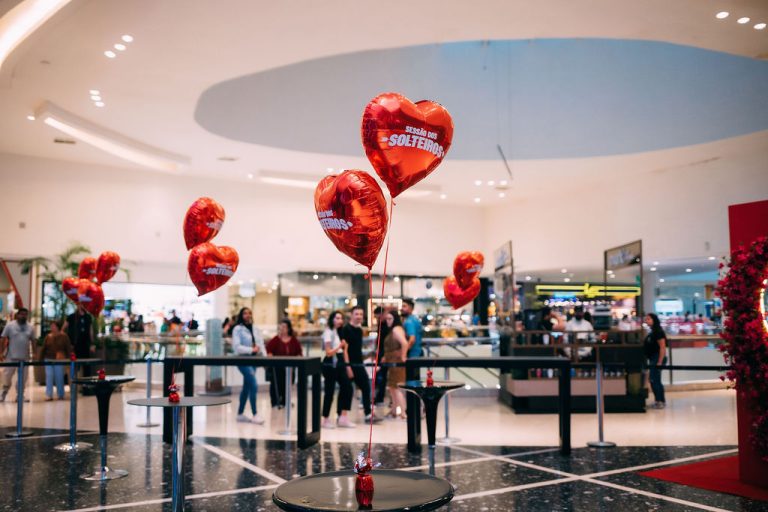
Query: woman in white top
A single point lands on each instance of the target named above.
(247, 341)
(335, 368)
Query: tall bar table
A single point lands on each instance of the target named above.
(179, 410)
(74, 445)
(103, 389)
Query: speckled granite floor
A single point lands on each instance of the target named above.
(240, 474)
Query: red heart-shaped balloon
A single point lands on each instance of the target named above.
(87, 268)
(405, 141)
(457, 295)
(467, 267)
(107, 266)
(202, 222)
(90, 296)
(70, 285)
(353, 213)
(211, 266)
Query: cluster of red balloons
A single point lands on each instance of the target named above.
(210, 266)
(85, 289)
(463, 286)
(405, 142)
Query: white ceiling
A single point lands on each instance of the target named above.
(183, 47)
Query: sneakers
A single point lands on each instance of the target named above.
(2, 397)
(328, 423)
(658, 405)
(242, 418)
(48, 398)
(376, 419)
(344, 422)
(257, 420)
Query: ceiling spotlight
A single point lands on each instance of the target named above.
(110, 54)
(120, 47)
(477, 199)
(722, 15)
(94, 92)
(250, 175)
(760, 26)
(315, 277)
(502, 195)
(95, 97)
(612, 276)
(491, 183)
(528, 278)
(711, 258)
(397, 279)
(329, 170)
(653, 269)
(127, 38)
(567, 279)
(443, 196)
(655, 262)
(661, 280)
(563, 270)
(689, 270)
(742, 21)
(478, 182)
(503, 183)
(99, 104)
(31, 117)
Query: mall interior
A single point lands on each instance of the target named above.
(461, 256)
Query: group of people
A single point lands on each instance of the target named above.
(343, 361)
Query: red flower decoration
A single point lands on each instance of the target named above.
(745, 339)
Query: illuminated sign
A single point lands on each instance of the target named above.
(624, 256)
(587, 290)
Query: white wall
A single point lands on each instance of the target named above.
(139, 215)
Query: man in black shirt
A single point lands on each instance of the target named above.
(352, 333)
(79, 328)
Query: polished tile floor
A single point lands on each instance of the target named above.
(504, 461)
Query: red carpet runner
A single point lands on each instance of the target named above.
(720, 475)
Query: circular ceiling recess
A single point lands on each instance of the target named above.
(538, 99)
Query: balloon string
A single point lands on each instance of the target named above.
(378, 333)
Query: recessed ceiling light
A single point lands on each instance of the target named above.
(722, 15)
(563, 270)
(315, 277)
(127, 38)
(661, 280)
(396, 279)
(95, 97)
(31, 117)
(612, 276)
(655, 262)
(329, 170)
(478, 182)
(491, 183)
(689, 270)
(443, 196)
(250, 175)
(94, 91)
(110, 54)
(477, 199)
(503, 183)
(711, 258)
(528, 278)
(567, 279)
(99, 104)
(502, 195)
(742, 21)
(760, 26)
(653, 269)
(120, 47)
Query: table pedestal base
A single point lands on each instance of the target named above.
(105, 474)
(17, 433)
(448, 440)
(73, 448)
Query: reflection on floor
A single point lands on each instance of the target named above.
(240, 474)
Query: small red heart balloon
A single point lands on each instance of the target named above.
(87, 269)
(211, 266)
(353, 213)
(457, 295)
(202, 222)
(90, 296)
(405, 141)
(467, 267)
(70, 285)
(107, 265)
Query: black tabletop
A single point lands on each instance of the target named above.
(109, 379)
(335, 491)
(184, 401)
(440, 384)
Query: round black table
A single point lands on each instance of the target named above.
(103, 389)
(335, 492)
(179, 436)
(431, 396)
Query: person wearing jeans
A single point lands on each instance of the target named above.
(55, 348)
(15, 345)
(247, 341)
(655, 348)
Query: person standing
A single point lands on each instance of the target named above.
(17, 339)
(55, 348)
(335, 366)
(655, 348)
(79, 329)
(352, 334)
(284, 344)
(381, 372)
(395, 351)
(247, 341)
(413, 329)
(583, 330)
(192, 325)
